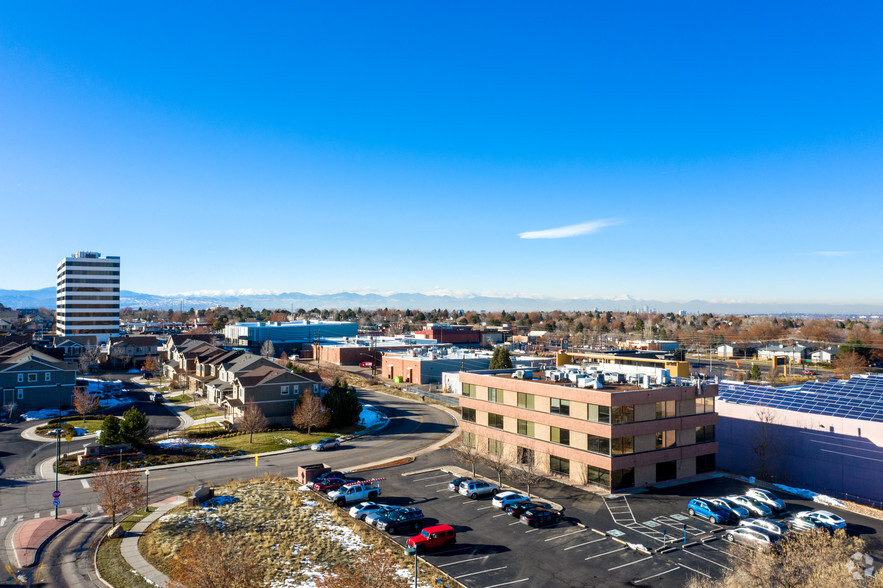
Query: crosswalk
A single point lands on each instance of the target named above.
(15, 519)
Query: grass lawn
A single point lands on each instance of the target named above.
(111, 564)
(161, 388)
(178, 399)
(269, 441)
(208, 427)
(91, 425)
(197, 412)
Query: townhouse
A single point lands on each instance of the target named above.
(33, 379)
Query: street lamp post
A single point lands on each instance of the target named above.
(57, 459)
(147, 490)
(58, 389)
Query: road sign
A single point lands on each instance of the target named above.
(56, 502)
(56, 494)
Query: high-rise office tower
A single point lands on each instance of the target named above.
(88, 301)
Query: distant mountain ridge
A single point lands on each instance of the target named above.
(341, 300)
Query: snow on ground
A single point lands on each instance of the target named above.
(181, 442)
(51, 413)
(810, 495)
(370, 416)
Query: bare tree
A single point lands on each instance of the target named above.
(84, 402)
(119, 357)
(528, 473)
(87, 359)
(310, 412)
(208, 559)
(499, 463)
(115, 490)
(764, 445)
(268, 349)
(379, 569)
(151, 365)
(10, 410)
(251, 421)
(467, 454)
(846, 364)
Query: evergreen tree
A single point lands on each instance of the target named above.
(501, 359)
(754, 372)
(343, 404)
(110, 431)
(134, 429)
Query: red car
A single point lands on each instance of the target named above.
(366, 364)
(329, 484)
(431, 537)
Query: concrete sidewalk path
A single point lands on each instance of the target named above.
(129, 546)
(31, 536)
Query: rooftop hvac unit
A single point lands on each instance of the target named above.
(665, 377)
(645, 381)
(557, 376)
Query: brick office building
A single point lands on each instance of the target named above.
(618, 436)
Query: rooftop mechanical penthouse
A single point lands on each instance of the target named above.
(594, 424)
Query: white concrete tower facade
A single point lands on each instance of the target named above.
(88, 301)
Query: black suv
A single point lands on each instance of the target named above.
(403, 518)
(540, 517)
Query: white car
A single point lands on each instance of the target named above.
(766, 497)
(361, 510)
(824, 518)
(752, 505)
(767, 525)
(476, 488)
(504, 499)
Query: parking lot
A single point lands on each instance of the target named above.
(591, 547)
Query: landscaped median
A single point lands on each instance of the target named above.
(294, 537)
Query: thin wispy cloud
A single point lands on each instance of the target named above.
(833, 253)
(570, 230)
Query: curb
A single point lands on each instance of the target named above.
(39, 549)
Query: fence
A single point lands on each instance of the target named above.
(451, 399)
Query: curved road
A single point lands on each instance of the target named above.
(67, 559)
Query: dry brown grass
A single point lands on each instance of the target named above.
(295, 531)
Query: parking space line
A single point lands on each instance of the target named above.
(697, 571)
(453, 550)
(481, 572)
(445, 484)
(567, 534)
(485, 507)
(515, 523)
(507, 583)
(432, 477)
(500, 515)
(2, 521)
(532, 530)
(727, 553)
(630, 563)
(442, 490)
(586, 543)
(657, 575)
(454, 563)
(706, 559)
(606, 553)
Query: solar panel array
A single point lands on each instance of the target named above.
(857, 398)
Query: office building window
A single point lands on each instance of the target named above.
(624, 478)
(705, 463)
(623, 414)
(666, 409)
(705, 434)
(495, 395)
(598, 476)
(599, 414)
(559, 465)
(525, 428)
(469, 390)
(666, 439)
(561, 436)
(467, 414)
(469, 439)
(495, 447)
(623, 445)
(599, 445)
(525, 400)
(495, 420)
(560, 406)
(525, 456)
(705, 405)
(666, 470)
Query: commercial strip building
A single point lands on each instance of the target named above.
(426, 366)
(827, 436)
(294, 334)
(454, 334)
(355, 350)
(573, 423)
(88, 299)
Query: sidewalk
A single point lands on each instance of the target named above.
(129, 545)
(31, 536)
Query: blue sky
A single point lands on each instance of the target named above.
(694, 150)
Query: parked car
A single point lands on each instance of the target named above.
(384, 510)
(750, 537)
(331, 474)
(737, 512)
(504, 499)
(329, 484)
(802, 525)
(366, 364)
(363, 509)
(402, 518)
(751, 505)
(517, 509)
(809, 373)
(324, 444)
(432, 537)
(476, 488)
(156, 397)
(454, 485)
(707, 510)
(768, 498)
(540, 517)
(823, 518)
(773, 527)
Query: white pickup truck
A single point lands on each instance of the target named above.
(356, 492)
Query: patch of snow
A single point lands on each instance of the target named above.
(810, 495)
(219, 501)
(181, 442)
(370, 416)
